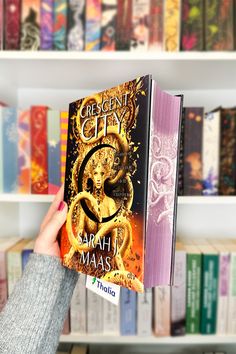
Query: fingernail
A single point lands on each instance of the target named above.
(61, 206)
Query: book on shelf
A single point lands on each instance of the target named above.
(171, 25)
(162, 311)
(156, 25)
(144, 313)
(123, 24)
(76, 25)
(122, 205)
(24, 152)
(79, 349)
(140, 25)
(30, 25)
(230, 286)
(111, 318)
(60, 24)
(128, 312)
(92, 25)
(11, 23)
(46, 24)
(78, 307)
(94, 313)
(108, 25)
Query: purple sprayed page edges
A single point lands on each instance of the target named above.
(162, 184)
(46, 30)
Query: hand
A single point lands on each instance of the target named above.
(46, 242)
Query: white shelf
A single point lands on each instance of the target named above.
(26, 198)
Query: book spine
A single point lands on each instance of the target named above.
(232, 296)
(181, 157)
(140, 25)
(53, 136)
(193, 293)
(178, 296)
(78, 307)
(211, 153)
(30, 25)
(209, 294)
(1, 149)
(193, 151)
(12, 13)
(93, 25)
(10, 153)
(25, 257)
(60, 25)
(144, 313)
(192, 34)
(46, 25)
(128, 314)
(124, 24)
(108, 25)
(39, 159)
(172, 25)
(162, 311)
(66, 325)
(223, 293)
(156, 25)
(24, 159)
(76, 21)
(14, 269)
(64, 129)
(111, 318)
(94, 313)
(228, 152)
(3, 280)
(219, 25)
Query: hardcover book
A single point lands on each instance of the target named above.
(140, 25)
(53, 144)
(12, 12)
(108, 23)
(60, 25)
(156, 25)
(93, 25)
(121, 184)
(172, 25)
(30, 25)
(123, 24)
(76, 21)
(24, 155)
(46, 25)
(181, 157)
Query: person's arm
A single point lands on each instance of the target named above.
(33, 317)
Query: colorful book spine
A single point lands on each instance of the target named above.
(64, 129)
(172, 25)
(78, 307)
(1, 149)
(156, 25)
(192, 35)
(30, 25)
(60, 25)
(94, 313)
(39, 158)
(10, 150)
(46, 24)
(53, 137)
(231, 329)
(193, 151)
(162, 311)
(128, 312)
(11, 20)
(108, 25)
(93, 25)
(24, 156)
(140, 25)
(123, 24)
(181, 156)
(76, 20)
(144, 313)
(223, 293)
(211, 153)
(228, 152)
(111, 318)
(219, 25)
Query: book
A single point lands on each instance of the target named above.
(30, 25)
(78, 307)
(24, 152)
(60, 25)
(26, 252)
(66, 325)
(181, 156)
(76, 27)
(1, 149)
(46, 25)
(140, 25)
(108, 25)
(12, 12)
(79, 349)
(211, 153)
(94, 313)
(112, 190)
(229, 287)
(93, 25)
(128, 312)
(123, 24)
(192, 22)
(39, 158)
(193, 122)
(63, 130)
(144, 313)
(111, 318)
(162, 311)
(171, 25)
(53, 151)
(156, 25)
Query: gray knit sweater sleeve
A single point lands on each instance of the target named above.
(32, 319)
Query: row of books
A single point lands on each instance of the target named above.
(67, 348)
(202, 299)
(109, 25)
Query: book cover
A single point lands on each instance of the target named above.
(60, 25)
(172, 12)
(192, 22)
(181, 156)
(93, 25)
(10, 150)
(39, 158)
(111, 318)
(1, 149)
(76, 25)
(193, 150)
(128, 312)
(211, 153)
(78, 307)
(140, 25)
(94, 313)
(46, 24)
(227, 152)
(162, 311)
(156, 25)
(64, 130)
(123, 24)
(26, 252)
(24, 155)
(30, 25)
(54, 152)
(108, 25)
(144, 313)
(106, 185)
(11, 21)
(219, 25)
